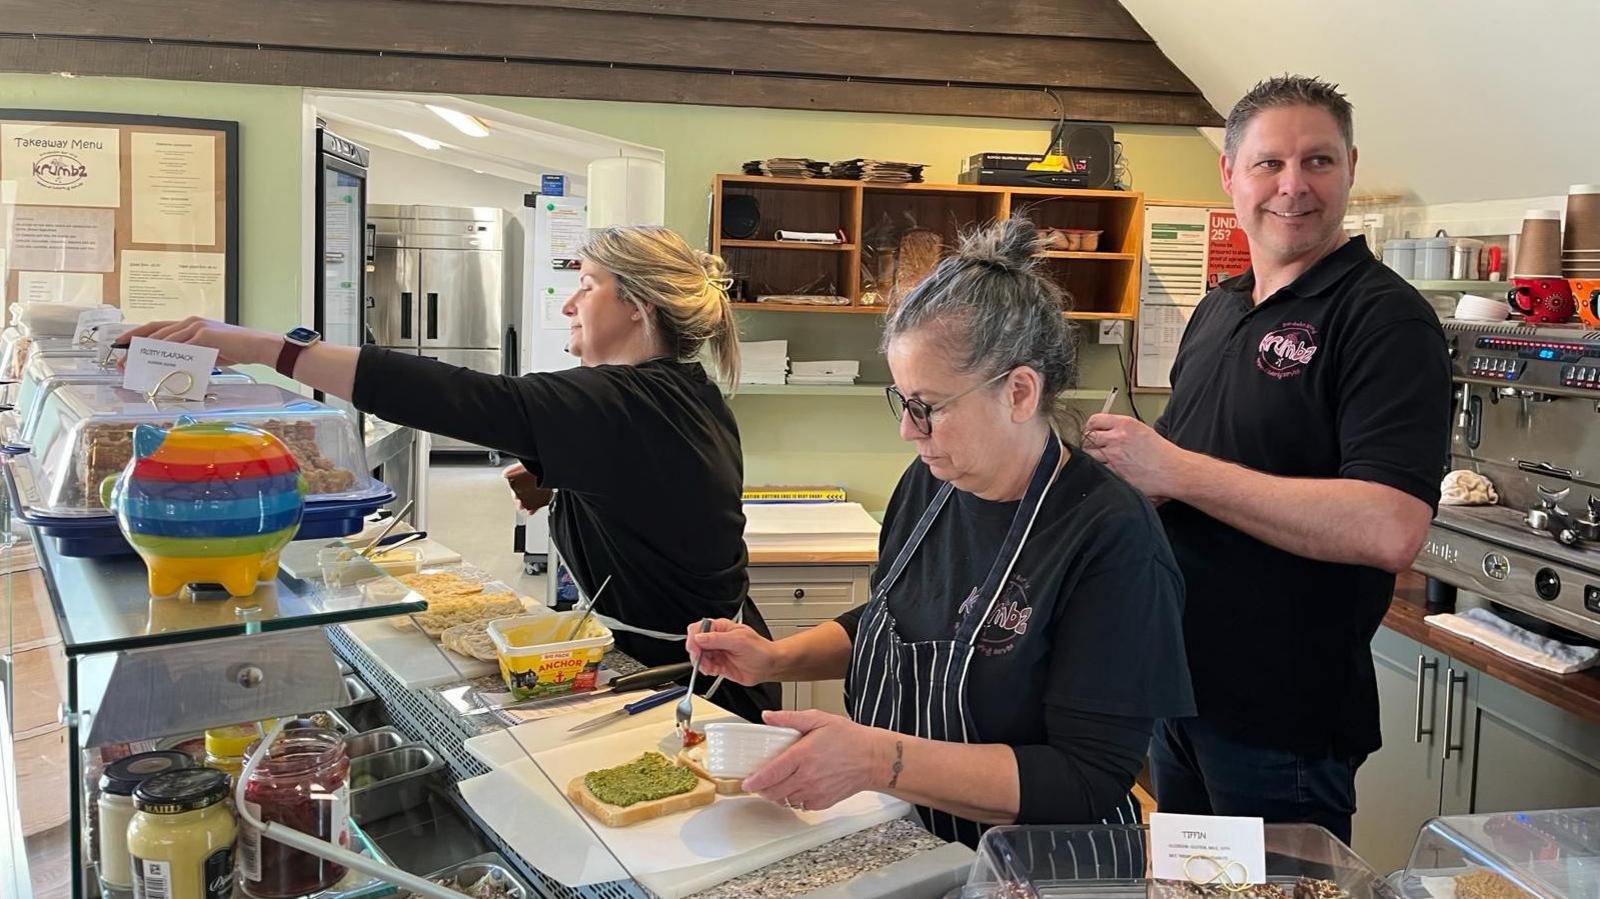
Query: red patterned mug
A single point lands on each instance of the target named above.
(1542, 300)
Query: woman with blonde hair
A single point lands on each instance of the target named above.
(638, 443)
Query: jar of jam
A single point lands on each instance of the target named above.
(303, 784)
(180, 840)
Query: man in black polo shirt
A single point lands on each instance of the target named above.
(1297, 467)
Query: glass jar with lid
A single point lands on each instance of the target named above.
(115, 806)
(302, 783)
(226, 746)
(180, 841)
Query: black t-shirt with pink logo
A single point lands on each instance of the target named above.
(1083, 649)
(1341, 374)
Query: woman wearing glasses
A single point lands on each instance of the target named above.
(639, 444)
(1025, 625)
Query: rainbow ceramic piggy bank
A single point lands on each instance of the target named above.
(207, 503)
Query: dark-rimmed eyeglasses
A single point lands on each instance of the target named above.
(921, 413)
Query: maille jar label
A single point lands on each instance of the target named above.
(218, 874)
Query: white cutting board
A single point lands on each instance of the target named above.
(412, 657)
(503, 747)
(674, 855)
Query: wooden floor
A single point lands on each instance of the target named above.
(49, 863)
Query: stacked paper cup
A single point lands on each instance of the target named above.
(1580, 245)
(1539, 247)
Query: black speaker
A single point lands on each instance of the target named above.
(741, 216)
(1094, 142)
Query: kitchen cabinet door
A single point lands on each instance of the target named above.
(1530, 754)
(1397, 789)
(1457, 740)
(826, 695)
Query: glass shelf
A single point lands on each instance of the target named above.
(104, 604)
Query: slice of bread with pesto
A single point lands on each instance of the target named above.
(648, 787)
(694, 758)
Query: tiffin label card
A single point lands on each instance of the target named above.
(1207, 849)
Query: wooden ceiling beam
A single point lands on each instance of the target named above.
(551, 34)
(367, 71)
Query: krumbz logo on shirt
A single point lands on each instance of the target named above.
(1285, 352)
(1008, 620)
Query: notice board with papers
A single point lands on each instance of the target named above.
(137, 212)
(1188, 249)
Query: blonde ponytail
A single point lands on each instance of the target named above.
(682, 292)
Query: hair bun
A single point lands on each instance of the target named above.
(1012, 245)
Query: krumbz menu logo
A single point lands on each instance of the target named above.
(60, 171)
(1285, 352)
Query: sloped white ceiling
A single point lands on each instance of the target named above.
(1455, 100)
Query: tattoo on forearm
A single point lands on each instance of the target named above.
(899, 763)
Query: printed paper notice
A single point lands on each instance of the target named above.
(1161, 330)
(566, 235)
(1227, 247)
(157, 285)
(80, 288)
(63, 239)
(174, 188)
(1173, 281)
(177, 369)
(1175, 255)
(1207, 849)
(61, 165)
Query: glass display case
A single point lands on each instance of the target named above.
(17, 349)
(1028, 862)
(83, 434)
(1508, 855)
(46, 374)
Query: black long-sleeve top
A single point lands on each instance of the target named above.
(649, 471)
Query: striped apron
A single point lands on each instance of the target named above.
(919, 688)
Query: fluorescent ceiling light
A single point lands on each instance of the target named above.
(421, 140)
(471, 126)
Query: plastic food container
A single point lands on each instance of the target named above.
(1081, 240)
(83, 434)
(536, 662)
(1547, 854)
(47, 374)
(1106, 860)
(17, 349)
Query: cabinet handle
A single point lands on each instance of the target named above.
(1451, 679)
(1424, 664)
(799, 593)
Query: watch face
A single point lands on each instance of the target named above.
(303, 336)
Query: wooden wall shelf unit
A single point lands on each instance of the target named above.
(1103, 284)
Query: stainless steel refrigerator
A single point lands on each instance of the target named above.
(438, 288)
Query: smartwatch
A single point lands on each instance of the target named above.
(293, 343)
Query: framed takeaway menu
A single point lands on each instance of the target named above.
(139, 212)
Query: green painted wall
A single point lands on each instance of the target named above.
(702, 141)
(269, 166)
(850, 441)
(853, 441)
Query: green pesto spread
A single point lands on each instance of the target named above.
(648, 777)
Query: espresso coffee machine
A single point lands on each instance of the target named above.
(1527, 417)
